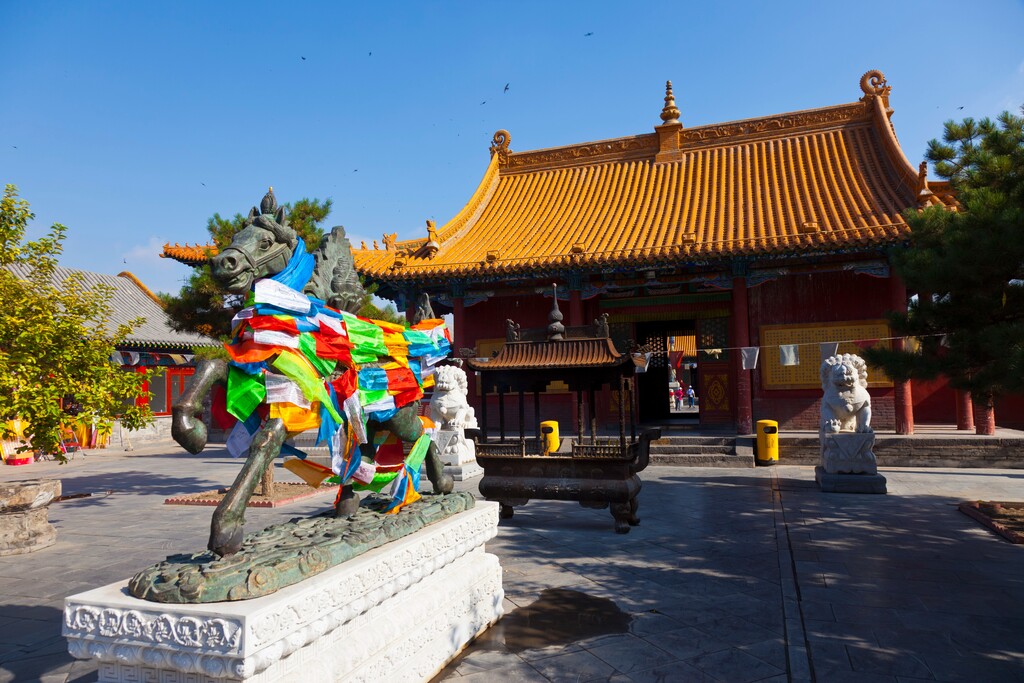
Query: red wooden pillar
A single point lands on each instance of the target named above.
(984, 415)
(902, 397)
(459, 323)
(964, 410)
(575, 308)
(741, 337)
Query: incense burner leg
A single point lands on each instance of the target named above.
(622, 512)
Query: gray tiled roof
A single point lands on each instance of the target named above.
(131, 300)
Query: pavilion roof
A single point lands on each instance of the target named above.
(190, 255)
(815, 181)
(565, 354)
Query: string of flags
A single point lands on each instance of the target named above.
(789, 354)
(314, 367)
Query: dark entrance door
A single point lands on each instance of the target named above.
(656, 386)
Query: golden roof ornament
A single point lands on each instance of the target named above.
(433, 241)
(500, 146)
(670, 112)
(873, 84)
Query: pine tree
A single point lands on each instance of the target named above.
(967, 266)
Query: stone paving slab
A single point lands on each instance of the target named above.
(733, 575)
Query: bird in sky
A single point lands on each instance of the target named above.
(303, 59)
(959, 107)
(506, 87)
(355, 170)
(370, 55)
(587, 35)
(484, 102)
(202, 183)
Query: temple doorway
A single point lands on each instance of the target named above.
(663, 391)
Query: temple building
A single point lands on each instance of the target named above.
(690, 243)
(761, 232)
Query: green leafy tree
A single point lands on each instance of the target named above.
(56, 339)
(967, 266)
(201, 306)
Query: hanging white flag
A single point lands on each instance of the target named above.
(828, 349)
(750, 354)
(789, 354)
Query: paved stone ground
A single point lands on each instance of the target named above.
(734, 575)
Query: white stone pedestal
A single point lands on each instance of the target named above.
(398, 613)
(458, 454)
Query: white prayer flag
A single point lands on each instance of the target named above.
(750, 354)
(354, 413)
(828, 349)
(333, 323)
(280, 389)
(789, 354)
(272, 292)
(276, 338)
(386, 403)
(239, 440)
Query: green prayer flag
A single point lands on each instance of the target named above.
(244, 392)
(307, 344)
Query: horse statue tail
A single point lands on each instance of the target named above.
(335, 280)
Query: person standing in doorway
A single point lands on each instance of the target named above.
(678, 395)
(690, 394)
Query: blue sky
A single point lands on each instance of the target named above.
(133, 122)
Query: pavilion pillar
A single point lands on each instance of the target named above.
(741, 337)
(964, 410)
(903, 399)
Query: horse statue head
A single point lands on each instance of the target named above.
(261, 249)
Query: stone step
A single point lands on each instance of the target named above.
(697, 440)
(703, 460)
(691, 449)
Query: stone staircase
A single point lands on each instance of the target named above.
(701, 451)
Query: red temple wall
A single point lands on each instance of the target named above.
(814, 298)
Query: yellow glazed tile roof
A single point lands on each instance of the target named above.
(815, 180)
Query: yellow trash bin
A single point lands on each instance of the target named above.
(767, 442)
(549, 436)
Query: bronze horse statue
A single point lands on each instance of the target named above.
(265, 248)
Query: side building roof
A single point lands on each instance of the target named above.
(131, 299)
(812, 181)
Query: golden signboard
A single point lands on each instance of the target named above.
(774, 375)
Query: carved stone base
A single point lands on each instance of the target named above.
(849, 453)
(848, 483)
(458, 454)
(469, 470)
(398, 613)
(24, 526)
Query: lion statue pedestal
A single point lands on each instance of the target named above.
(848, 463)
(451, 412)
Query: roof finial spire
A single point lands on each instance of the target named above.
(556, 330)
(669, 113)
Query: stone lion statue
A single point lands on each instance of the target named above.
(846, 405)
(449, 406)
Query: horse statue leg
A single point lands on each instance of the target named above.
(226, 529)
(186, 427)
(406, 425)
(348, 500)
